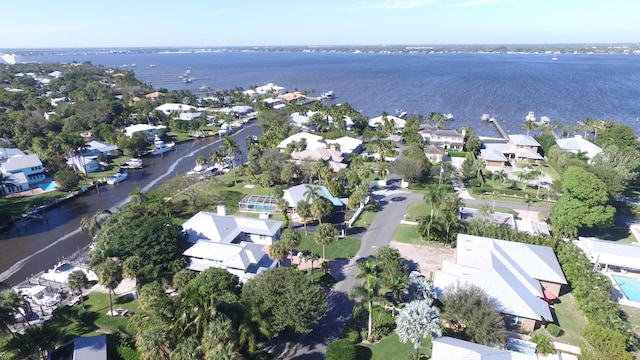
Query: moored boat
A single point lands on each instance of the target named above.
(117, 178)
(161, 147)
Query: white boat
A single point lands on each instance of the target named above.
(134, 163)
(555, 58)
(531, 116)
(448, 116)
(203, 169)
(39, 294)
(60, 273)
(328, 95)
(485, 117)
(117, 178)
(161, 147)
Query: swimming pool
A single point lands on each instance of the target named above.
(521, 346)
(48, 186)
(629, 286)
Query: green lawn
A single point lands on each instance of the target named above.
(416, 211)
(408, 234)
(342, 248)
(632, 315)
(571, 321)
(364, 220)
(391, 348)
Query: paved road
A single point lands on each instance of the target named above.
(393, 204)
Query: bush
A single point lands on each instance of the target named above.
(341, 350)
(606, 343)
(543, 343)
(554, 330)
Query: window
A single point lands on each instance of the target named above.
(517, 320)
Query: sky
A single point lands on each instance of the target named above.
(203, 23)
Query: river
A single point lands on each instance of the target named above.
(29, 248)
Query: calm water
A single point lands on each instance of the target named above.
(467, 85)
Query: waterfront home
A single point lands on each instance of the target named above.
(171, 108)
(312, 141)
(85, 164)
(96, 147)
(288, 98)
(578, 144)
(298, 193)
(520, 148)
(238, 244)
(443, 138)
(148, 130)
(301, 120)
(270, 88)
(275, 103)
(378, 122)
(20, 172)
(520, 278)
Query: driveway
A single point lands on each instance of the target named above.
(393, 203)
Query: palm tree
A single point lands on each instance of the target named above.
(110, 275)
(131, 267)
(416, 320)
(92, 224)
(18, 304)
(217, 157)
(77, 281)
(303, 209)
(138, 196)
(311, 194)
(324, 235)
(369, 291)
(290, 239)
(278, 251)
(434, 197)
(528, 125)
(321, 209)
(231, 148)
(485, 211)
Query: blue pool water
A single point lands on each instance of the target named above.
(521, 346)
(47, 186)
(629, 286)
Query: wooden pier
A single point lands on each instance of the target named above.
(499, 128)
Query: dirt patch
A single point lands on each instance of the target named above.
(427, 258)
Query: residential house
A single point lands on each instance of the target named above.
(82, 348)
(608, 254)
(578, 144)
(312, 141)
(238, 244)
(87, 162)
(275, 103)
(300, 120)
(334, 158)
(434, 154)
(519, 148)
(443, 138)
(347, 145)
(148, 130)
(446, 348)
(298, 193)
(171, 108)
(270, 88)
(20, 171)
(520, 278)
(378, 122)
(290, 97)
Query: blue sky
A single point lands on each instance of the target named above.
(142, 23)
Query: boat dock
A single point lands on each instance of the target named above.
(501, 131)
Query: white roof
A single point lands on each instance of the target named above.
(532, 227)
(313, 141)
(225, 229)
(269, 88)
(611, 253)
(523, 140)
(100, 146)
(492, 154)
(168, 108)
(347, 143)
(539, 262)
(374, 122)
(528, 154)
(130, 130)
(298, 119)
(447, 348)
(296, 193)
(233, 256)
(17, 163)
(6, 153)
(579, 144)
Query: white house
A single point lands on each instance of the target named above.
(21, 172)
(238, 244)
(170, 108)
(447, 348)
(578, 144)
(147, 129)
(312, 141)
(378, 122)
(270, 89)
(347, 145)
(298, 193)
(520, 278)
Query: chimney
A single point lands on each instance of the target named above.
(222, 210)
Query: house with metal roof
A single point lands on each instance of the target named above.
(21, 172)
(147, 129)
(520, 148)
(334, 158)
(520, 278)
(378, 122)
(447, 348)
(612, 254)
(298, 193)
(312, 141)
(579, 144)
(238, 244)
(347, 145)
(82, 348)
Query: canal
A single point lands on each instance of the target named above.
(30, 247)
